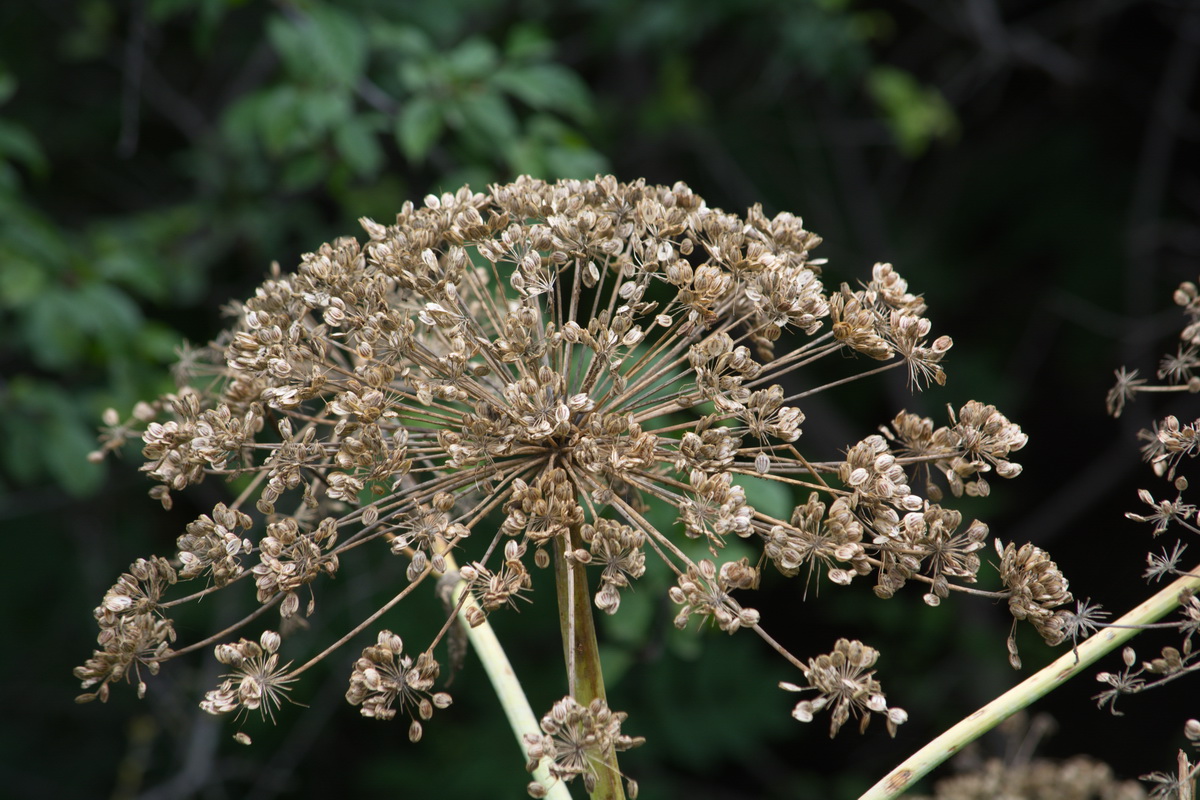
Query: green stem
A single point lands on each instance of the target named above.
(581, 651)
(1067, 666)
(504, 681)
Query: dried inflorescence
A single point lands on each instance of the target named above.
(1078, 778)
(846, 685)
(385, 677)
(566, 358)
(1170, 447)
(258, 681)
(1036, 587)
(577, 742)
(133, 633)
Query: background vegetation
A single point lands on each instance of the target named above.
(1030, 166)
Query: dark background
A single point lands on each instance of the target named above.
(1029, 166)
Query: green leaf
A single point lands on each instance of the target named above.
(356, 144)
(66, 444)
(304, 171)
(547, 87)
(18, 144)
(528, 43)
(916, 115)
(277, 119)
(474, 59)
(635, 616)
(20, 281)
(8, 85)
(106, 311)
(51, 332)
(401, 40)
(21, 441)
(574, 162)
(418, 126)
(551, 149)
(321, 111)
(489, 120)
(770, 497)
(44, 432)
(326, 45)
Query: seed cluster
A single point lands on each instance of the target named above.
(521, 375)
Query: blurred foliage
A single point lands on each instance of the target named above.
(157, 155)
(291, 107)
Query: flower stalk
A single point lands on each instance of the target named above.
(581, 651)
(1067, 666)
(502, 677)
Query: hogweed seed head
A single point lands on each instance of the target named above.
(563, 358)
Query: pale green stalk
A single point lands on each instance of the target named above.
(504, 681)
(1051, 677)
(582, 652)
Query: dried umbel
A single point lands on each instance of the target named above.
(384, 677)
(1170, 446)
(1078, 778)
(845, 683)
(513, 379)
(577, 742)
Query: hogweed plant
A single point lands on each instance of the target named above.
(504, 382)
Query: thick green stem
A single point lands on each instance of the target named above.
(1067, 666)
(581, 651)
(504, 681)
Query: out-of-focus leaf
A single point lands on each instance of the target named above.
(18, 145)
(50, 328)
(548, 87)
(321, 110)
(634, 616)
(42, 431)
(416, 75)
(107, 312)
(20, 281)
(22, 443)
(143, 253)
(528, 43)
(403, 40)
(8, 85)
(474, 59)
(67, 444)
(418, 126)
(326, 45)
(304, 171)
(827, 44)
(357, 145)
(61, 322)
(551, 149)
(29, 236)
(157, 341)
(277, 119)
(916, 114)
(574, 162)
(768, 496)
(489, 119)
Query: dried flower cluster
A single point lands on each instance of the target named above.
(576, 740)
(1170, 447)
(1078, 778)
(844, 681)
(516, 377)
(257, 683)
(384, 677)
